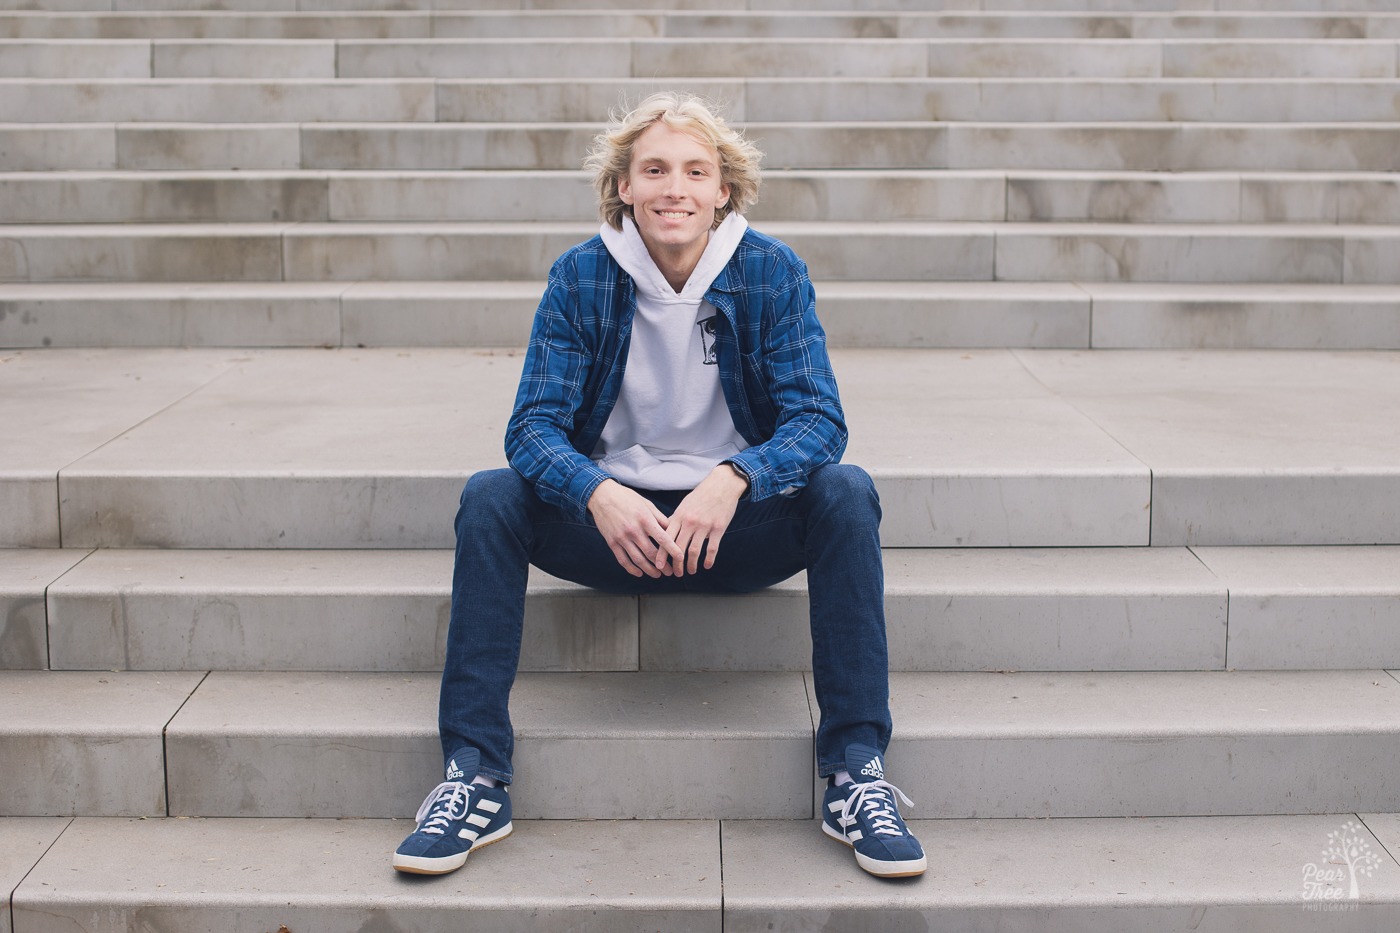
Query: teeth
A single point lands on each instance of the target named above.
(672, 214)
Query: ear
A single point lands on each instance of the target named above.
(723, 196)
(624, 190)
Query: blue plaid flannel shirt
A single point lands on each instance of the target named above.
(771, 352)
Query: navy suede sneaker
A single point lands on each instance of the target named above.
(457, 818)
(863, 814)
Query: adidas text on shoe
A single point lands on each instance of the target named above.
(455, 819)
(865, 816)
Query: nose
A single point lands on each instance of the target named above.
(674, 186)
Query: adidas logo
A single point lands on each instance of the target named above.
(454, 773)
(874, 768)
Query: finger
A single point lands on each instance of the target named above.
(693, 553)
(625, 562)
(639, 561)
(663, 552)
(712, 550)
(662, 535)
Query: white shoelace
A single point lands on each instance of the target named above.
(878, 805)
(446, 802)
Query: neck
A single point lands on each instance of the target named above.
(677, 265)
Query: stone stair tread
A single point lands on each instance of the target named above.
(25, 575)
(23, 842)
(308, 874)
(745, 875)
(86, 742)
(366, 745)
(948, 609)
(1021, 448)
(967, 744)
(1308, 607)
(1134, 874)
(95, 408)
(295, 424)
(1097, 744)
(372, 610)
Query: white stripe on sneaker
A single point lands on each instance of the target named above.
(476, 819)
(490, 806)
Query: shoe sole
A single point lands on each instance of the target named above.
(417, 865)
(910, 868)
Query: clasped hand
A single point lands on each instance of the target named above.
(647, 542)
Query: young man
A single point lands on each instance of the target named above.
(676, 429)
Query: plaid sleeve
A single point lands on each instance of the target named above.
(551, 390)
(811, 427)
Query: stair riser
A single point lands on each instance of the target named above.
(925, 253)
(1103, 147)
(812, 197)
(1047, 755)
(589, 59)
(853, 314)
(505, 24)
(933, 99)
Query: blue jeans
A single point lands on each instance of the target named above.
(831, 528)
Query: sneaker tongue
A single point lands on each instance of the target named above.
(463, 765)
(864, 764)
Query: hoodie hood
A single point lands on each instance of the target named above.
(628, 248)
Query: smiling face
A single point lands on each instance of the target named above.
(673, 186)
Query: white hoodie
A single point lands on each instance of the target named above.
(671, 425)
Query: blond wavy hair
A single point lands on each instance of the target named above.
(611, 156)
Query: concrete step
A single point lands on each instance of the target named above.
(954, 609)
(822, 99)
(718, 57)
(1044, 315)
(1123, 875)
(950, 609)
(102, 875)
(25, 575)
(801, 195)
(261, 744)
(86, 743)
(300, 875)
(310, 448)
(1153, 146)
(1128, 316)
(38, 100)
(883, 251)
(675, 23)
(985, 745)
(724, 7)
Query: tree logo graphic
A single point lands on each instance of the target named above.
(1348, 856)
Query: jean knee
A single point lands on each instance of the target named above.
(491, 495)
(847, 485)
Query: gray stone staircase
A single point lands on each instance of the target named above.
(1114, 303)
